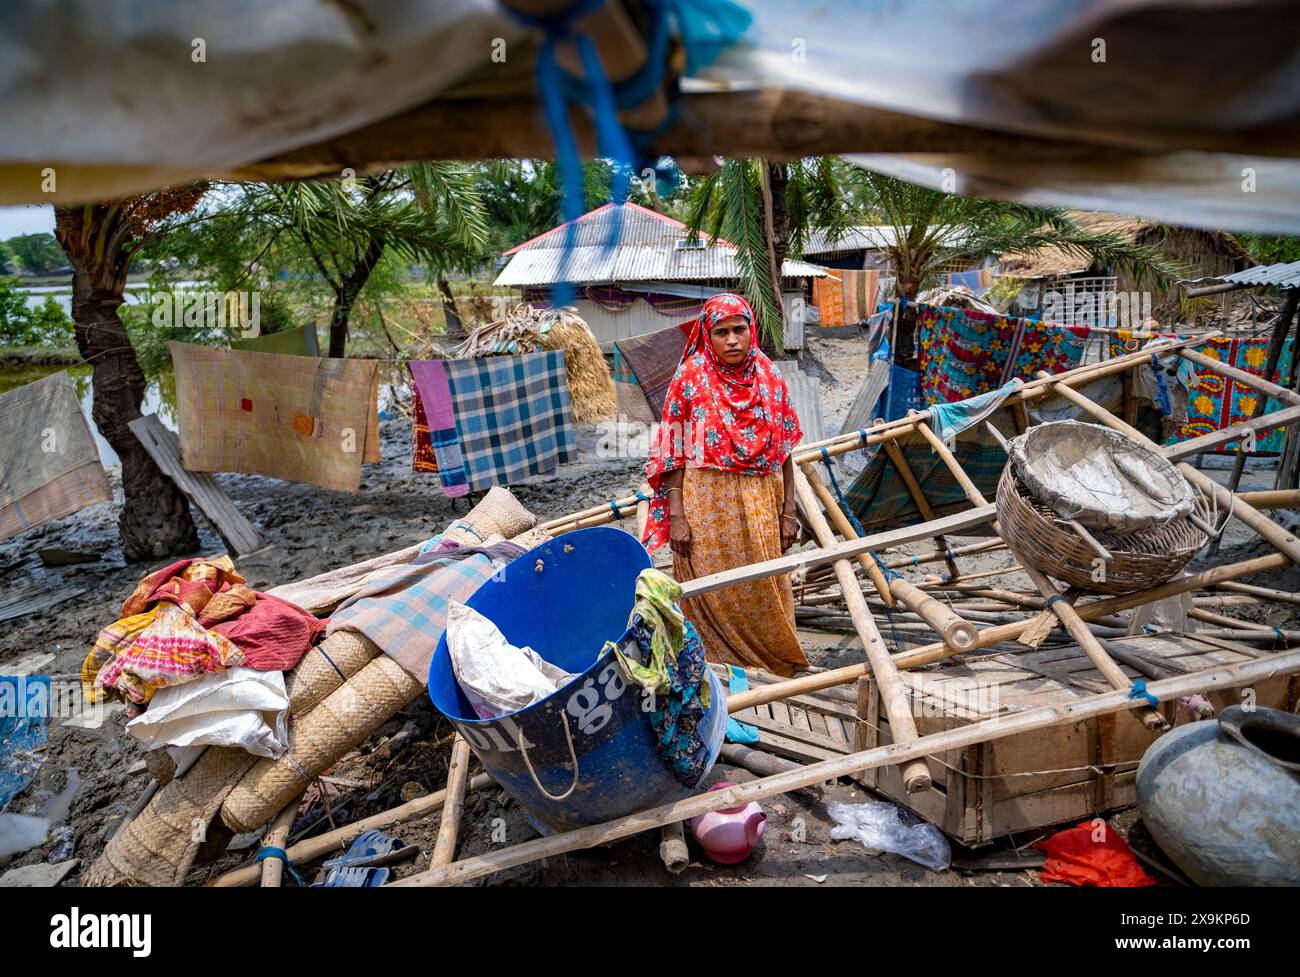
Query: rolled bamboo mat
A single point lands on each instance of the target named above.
(318, 674)
(159, 845)
(317, 739)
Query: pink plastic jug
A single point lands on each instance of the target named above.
(729, 836)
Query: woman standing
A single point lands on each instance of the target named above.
(723, 478)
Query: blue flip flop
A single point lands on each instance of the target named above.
(354, 877)
(371, 848)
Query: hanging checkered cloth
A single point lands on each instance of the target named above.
(511, 414)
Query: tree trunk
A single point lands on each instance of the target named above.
(155, 520)
(905, 352)
(345, 296)
(455, 328)
(776, 228)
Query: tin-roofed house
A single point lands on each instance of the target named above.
(653, 275)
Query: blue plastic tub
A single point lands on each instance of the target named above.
(565, 599)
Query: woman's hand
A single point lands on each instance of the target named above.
(789, 530)
(679, 534)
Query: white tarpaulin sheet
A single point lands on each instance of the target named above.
(1181, 110)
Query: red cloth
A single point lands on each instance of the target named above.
(732, 418)
(273, 634)
(1076, 858)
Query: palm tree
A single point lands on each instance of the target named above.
(768, 211)
(100, 240)
(932, 229)
(429, 213)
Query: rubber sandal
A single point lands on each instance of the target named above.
(372, 848)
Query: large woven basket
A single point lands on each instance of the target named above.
(1142, 559)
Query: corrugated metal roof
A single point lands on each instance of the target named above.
(1285, 274)
(647, 250)
(864, 237)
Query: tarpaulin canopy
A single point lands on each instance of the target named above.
(1182, 110)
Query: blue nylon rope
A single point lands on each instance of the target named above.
(1139, 691)
(269, 852)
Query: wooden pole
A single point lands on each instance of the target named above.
(340, 838)
(444, 849)
(885, 431)
(845, 529)
(933, 744)
(273, 868)
(898, 706)
(929, 654)
(1055, 600)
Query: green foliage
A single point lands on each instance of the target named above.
(933, 228)
(729, 204)
(36, 254)
(1270, 249)
(20, 325)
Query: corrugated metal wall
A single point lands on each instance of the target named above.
(640, 318)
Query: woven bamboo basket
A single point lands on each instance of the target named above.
(1141, 560)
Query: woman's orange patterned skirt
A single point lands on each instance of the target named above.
(735, 520)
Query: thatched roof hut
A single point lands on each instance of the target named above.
(1204, 254)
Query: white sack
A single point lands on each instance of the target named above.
(495, 676)
(238, 706)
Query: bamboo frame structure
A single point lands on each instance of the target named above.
(1080, 617)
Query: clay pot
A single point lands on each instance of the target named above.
(1222, 797)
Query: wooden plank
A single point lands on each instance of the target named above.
(793, 733)
(21, 601)
(200, 488)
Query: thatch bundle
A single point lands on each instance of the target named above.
(526, 330)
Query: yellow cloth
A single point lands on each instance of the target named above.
(735, 521)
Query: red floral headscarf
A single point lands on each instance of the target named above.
(732, 418)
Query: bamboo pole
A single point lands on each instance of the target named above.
(444, 849)
(898, 707)
(339, 839)
(933, 744)
(1055, 600)
(1272, 499)
(1266, 593)
(672, 848)
(919, 499)
(1224, 620)
(273, 868)
(929, 654)
(845, 529)
(886, 431)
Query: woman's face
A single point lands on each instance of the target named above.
(730, 339)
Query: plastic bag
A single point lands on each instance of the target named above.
(496, 677)
(877, 825)
(237, 706)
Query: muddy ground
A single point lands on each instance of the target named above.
(310, 530)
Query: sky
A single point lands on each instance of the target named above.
(26, 219)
